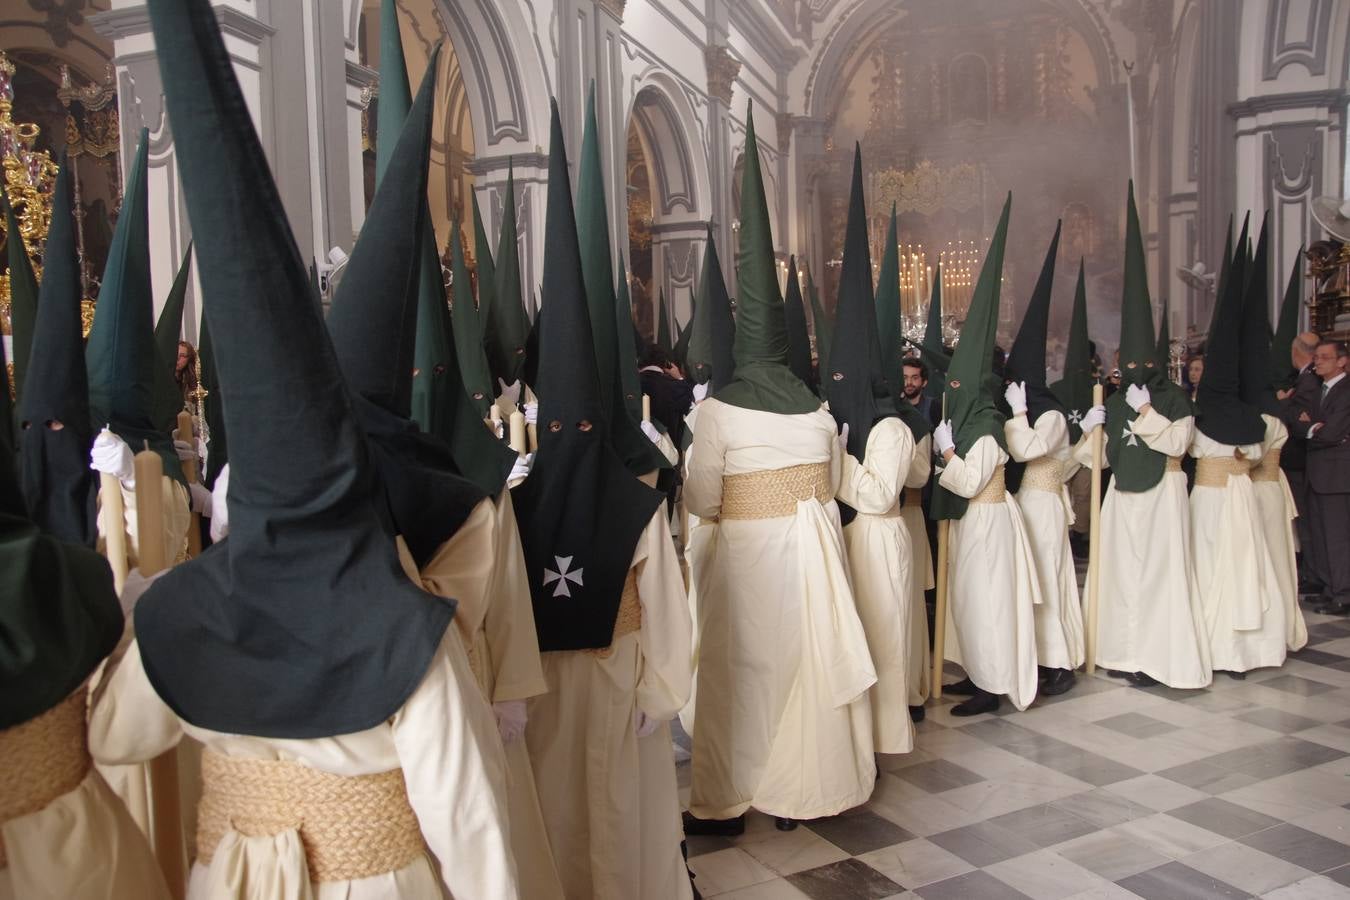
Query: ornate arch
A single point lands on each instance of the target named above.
(665, 123)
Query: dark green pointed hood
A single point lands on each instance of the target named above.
(763, 380)
(301, 624)
(120, 354)
(1026, 360)
(1163, 352)
(1255, 386)
(933, 351)
(663, 323)
(682, 337)
(581, 511)
(1282, 371)
(507, 325)
(713, 330)
(23, 294)
(168, 396)
(889, 336)
(1074, 389)
(1136, 467)
(821, 326)
(1221, 412)
(799, 339)
(467, 315)
(487, 297)
(854, 384)
(59, 615)
(395, 89)
(628, 354)
(217, 439)
(971, 404)
(57, 482)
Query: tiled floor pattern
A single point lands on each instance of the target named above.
(1239, 790)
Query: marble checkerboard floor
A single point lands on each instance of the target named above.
(1239, 790)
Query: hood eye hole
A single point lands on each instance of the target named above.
(838, 376)
(584, 425)
(555, 426)
(478, 395)
(955, 383)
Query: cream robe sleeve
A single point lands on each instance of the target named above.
(177, 519)
(1162, 434)
(873, 485)
(128, 722)
(967, 476)
(666, 636)
(1027, 442)
(1082, 451)
(921, 467)
(511, 634)
(456, 786)
(707, 462)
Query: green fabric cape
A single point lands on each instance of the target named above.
(1135, 467)
(763, 381)
(302, 624)
(581, 511)
(1074, 389)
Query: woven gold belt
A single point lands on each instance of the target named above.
(1214, 472)
(45, 757)
(629, 618)
(913, 497)
(1044, 474)
(994, 491)
(351, 826)
(775, 493)
(1268, 469)
(1173, 464)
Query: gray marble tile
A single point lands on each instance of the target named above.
(971, 886)
(1274, 758)
(1205, 776)
(1111, 856)
(1045, 825)
(851, 879)
(1278, 720)
(983, 843)
(1340, 876)
(700, 844)
(1318, 657)
(1293, 684)
(1300, 847)
(1137, 725)
(938, 775)
(859, 831)
(998, 731)
(1175, 880)
(1224, 818)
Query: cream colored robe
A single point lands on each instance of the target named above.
(783, 723)
(81, 846)
(482, 567)
(1239, 588)
(444, 738)
(880, 559)
(1059, 617)
(1276, 511)
(609, 798)
(991, 568)
(1149, 617)
(921, 575)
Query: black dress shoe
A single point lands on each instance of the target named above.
(1237, 676)
(1338, 609)
(713, 827)
(1116, 673)
(1141, 679)
(916, 714)
(1057, 682)
(964, 688)
(981, 702)
(783, 824)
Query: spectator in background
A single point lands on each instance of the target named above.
(1328, 473)
(916, 379)
(185, 371)
(1195, 368)
(671, 395)
(1296, 405)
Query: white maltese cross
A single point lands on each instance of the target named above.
(562, 576)
(1132, 440)
(1075, 417)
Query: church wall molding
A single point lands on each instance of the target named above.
(1268, 103)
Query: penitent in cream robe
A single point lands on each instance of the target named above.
(610, 801)
(880, 559)
(482, 567)
(992, 572)
(444, 739)
(1149, 617)
(1239, 591)
(1047, 511)
(920, 571)
(783, 723)
(80, 845)
(1276, 511)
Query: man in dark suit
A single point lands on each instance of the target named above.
(916, 379)
(1329, 473)
(1296, 405)
(671, 395)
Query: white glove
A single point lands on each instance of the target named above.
(511, 719)
(643, 724)
(650, 431)
(843, 439)
(521, 470)
(185, 451)
(132, 589)
(202, 499)
(531, 413)
(701, 392)
(110, 455)
(1016, 395)
(220, 510)
(510, 391)
(1137, 396)
(1093, 419)
(942, 438)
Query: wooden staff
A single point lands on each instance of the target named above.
(114, 528)
(646, 408)
(167, 822)
(1094, 533)
(519, 440)
(940, 599)
(532, 430)
(194, 535)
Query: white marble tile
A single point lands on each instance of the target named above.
(727, 870)
(1246, 867)
(789, 852)
(777, 889)
(1045, 875)
(1168, 836)
(1156, 792)
(1333, 823)
(1318, 887)
(916, 863)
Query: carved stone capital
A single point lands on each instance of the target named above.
(614, 7)
(785, 121)
(722, 71)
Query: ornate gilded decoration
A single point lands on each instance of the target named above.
(93, 128)
(722, 71)
(926, 188)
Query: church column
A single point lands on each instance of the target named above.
(808, 151)
(722, 71)
(677, 264)
(1216, 88)
(611, 109)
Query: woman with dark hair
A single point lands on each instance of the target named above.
(185, 370)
